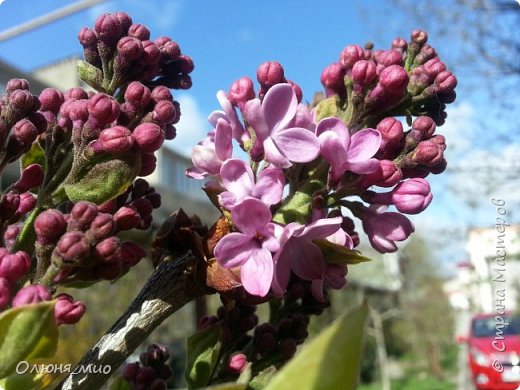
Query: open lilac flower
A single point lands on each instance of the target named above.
(272, 120)
(229, 114)
(384, 228)
(345, 152)
(250, 249)
(299, 254)
(210, 153)
(238, 178)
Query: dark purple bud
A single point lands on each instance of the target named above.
(39, 120)
(266, 342)
(389, 57)
(169, 132)
(138, 95)
(72, 246)
(130, 371)
(170, 50)
(391, 131)
(115, 140)
(149, 137)
(363, 72)
(103, 108)
(31, 294)
(131, 253)
(109, 28)
(32, 176)
(127, 218)
(125, 20)
(388, 175)
(155, 199)
(428, 153)
(108, 271)
(143, 206)
(148, 164)
(145, 375)
(446, 81)
(164, 113)
(49, 225)
(241, 91)
(11, 234)
(51, 100)
(350, 55)
(102, 226)
(158, 384)
(108, 249)
(9, 204)
(139, 31)
(237, 363)
(130, 49)
(185, 64)
(27, 203)
(78, 112)
(394, 79)
(161, 93)
(297, 90)
(152, 54)
(400, 44)
(76, 93)
(288, 348)
(67, 311)
(15, 84)
(82, 214)
(425, 125)
(25, 132)
(5, 292)
(332, 77)
(14, 265)
(420, 37)
(87, 37)
(22, 100)
(270, 73)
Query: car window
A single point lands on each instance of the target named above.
(487, 327)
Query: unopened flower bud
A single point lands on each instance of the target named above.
(103, 108)
(33, 293)
(49, 225)
(5, 292)
(126, 218)
(139, 31)
(130, 371)
(108, 249)
(389, 57)
(288, 348)
(138, 95)
(412, 196)
(164, 112)
(266, 342)
(446, 81)
(420, 37)
(169, 132)
(129, 49)
(363, 72)
(350, 55)
(394, 79)
(71, 247)
(400, 44)
(388, 175)
(15, 84)
(32, 176)
(237, 363)
(152, 54)
(109, 28)
(108, 271)
(125, 20)
(241, 91)
(131, 253)
(425, 125)
(391, 131)
(143, 206)
(332, 77)
(149, 137)
(428, 153)
(148, 164)
(270, 73)
(25, 133)
(87, 37)
(51, 100)
(161, 93)
(170, 50)
(27, 203)
(67, 311)
(102, 226)
(82, 214)
(14, 265)
(114, 140)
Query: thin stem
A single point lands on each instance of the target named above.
(25, 240)
(171, 286)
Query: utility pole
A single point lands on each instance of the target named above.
(47, 18)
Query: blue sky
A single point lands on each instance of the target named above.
(229, 39)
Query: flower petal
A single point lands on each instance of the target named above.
(307, 260)
(269, 186)
(363, 145)
(363, 167)
(336, 126)
(279, 106)
(297, 144)
(251, 216)
(205, 158)
(237, 177)
(223, 140)
(255, 117)
(274, 156)
(257, 273)
(333, 150)
(320, 228)
(234, 249)
(231, 114)
(394, 226)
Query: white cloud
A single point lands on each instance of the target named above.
(192, 126)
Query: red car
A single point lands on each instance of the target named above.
(494, 351)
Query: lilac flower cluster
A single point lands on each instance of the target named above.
(290, 206)
(152, 370)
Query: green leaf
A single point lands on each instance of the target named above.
(340, 254)
(102, 179)
(119, 383)
(203, 353)
(330, 361)
(227, 386)
(26, 331)
(35, 155)
(90, 75)
(262, 379)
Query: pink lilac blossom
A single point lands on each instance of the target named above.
(410, 196)
(251, 247)
(271, 121)
(345, 152)
(239, 180)
(384, 228)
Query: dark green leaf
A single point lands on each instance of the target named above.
(340, 254)
(35, 155)
(203, 353)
